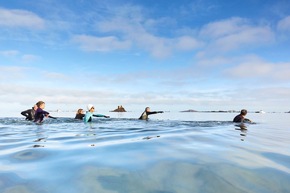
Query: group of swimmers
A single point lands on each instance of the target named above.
(87, 117)
(37, 114)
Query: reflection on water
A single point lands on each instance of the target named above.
(156, 156)
(243, 130)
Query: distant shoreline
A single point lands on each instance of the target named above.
(223, 111)
(220, 111)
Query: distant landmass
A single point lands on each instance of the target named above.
(225, 111)
(119, 109)
(220, 111)
(190, 110)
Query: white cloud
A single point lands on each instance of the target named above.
(56, 76)
(284, 24)
(234, 33)
(24, 57)
(101, 44)
(204, 61)
(224, 27)
(60, 93)
(20, 18)
(8, 73)
(251, 36)
(203, 99)
(187, 43)
(157, 46)
(256, 68)
(9, 53)
(28, 95)
(29, 58)
(141, 31)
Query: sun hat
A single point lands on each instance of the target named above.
(90, 106)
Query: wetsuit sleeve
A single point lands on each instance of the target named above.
(98, 115)
(25, 113)
(154, 112)
(42, 112)
(45, 112)
(144, 115)
(28, 114)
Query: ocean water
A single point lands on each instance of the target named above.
(170, 153)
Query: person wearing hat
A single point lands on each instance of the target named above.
(241, 117)
(90, 113)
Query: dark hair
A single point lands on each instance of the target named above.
(244, 112)
(79, 111)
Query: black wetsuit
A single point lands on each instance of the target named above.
(80, 116)
(29, 114)
(145, 114)
(240, 118)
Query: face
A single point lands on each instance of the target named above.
(42, 106)
(92, 109)
(148, 109)
(35, 107)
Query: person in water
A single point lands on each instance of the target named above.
(40, 113)
(90, 114)
(80, 114)
(29, 114)
(144, 115)
(241, 117)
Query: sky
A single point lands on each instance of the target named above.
(169, 55)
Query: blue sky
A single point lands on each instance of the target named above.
(198, 54)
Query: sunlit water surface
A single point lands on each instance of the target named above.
(170, 153)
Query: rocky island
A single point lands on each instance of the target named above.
(119, 109)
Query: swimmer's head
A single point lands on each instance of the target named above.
(40, 104)
(80, 111)
(90, 106)
(147, 109)
(244, 112)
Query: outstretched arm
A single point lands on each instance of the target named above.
(100, 115)
(154, 112)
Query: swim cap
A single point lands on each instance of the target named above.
(90, 106)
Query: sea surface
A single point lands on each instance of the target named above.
(172, 152)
